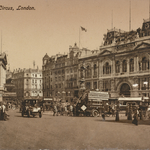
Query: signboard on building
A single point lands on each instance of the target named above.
(48, 99)
(94, 95)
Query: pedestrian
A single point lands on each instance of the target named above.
(113, 111)
(66, 111)
(135, 116)
(74, 109)
(103, 113)
(55, 110)
(117, 112)
(71, 110)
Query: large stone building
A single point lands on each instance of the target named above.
(3, 64)
(28, 83)
(121, 66)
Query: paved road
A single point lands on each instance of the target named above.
(63, 132)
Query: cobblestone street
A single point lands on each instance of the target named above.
(64, 132)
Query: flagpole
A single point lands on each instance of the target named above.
(79, 37)
(1, 41)
(149, 9)
(130, 15)
(112, 20)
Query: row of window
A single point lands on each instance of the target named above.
(59, 72)
(27, 85)
(143, 84)
(143, 65)
(59, 78)
(36, 91)
(33, 75)
(58, 85)
(72, 84)
(60, 65)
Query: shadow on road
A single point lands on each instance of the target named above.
(26, 116)
(141, 122)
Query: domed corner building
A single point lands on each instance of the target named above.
(122, 65)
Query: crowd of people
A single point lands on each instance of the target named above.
(3, 113)
(59, 108)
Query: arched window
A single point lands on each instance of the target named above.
(124, 66)
(95, 70)
(106, 68)
(117, 67)
(131, 65)
(145, 63)
(88, 71)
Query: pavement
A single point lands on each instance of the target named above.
(67, 133)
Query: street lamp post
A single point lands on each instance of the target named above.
(63, 94)
(58, 95)
(69, 95)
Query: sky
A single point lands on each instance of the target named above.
(54, 25)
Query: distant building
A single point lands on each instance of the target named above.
(60, 74)
(9, 95)
(3, 64)
(28, 83)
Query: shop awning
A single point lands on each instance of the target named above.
(130, 99)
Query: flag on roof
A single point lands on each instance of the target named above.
(83, 29)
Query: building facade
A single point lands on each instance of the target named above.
(60, 74)
(28, 83)
(9, 95)
(121, 66)
(3, 64)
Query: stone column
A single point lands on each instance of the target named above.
(79, 72)
(128, 65)
(120, 66)
(113, 67)
(92, 69)
(100, 69)
(97, 69)
(91, 84)
(135, 64)
(112, 85)
(101, 85)
(141, 84)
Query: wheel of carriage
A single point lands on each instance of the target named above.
(95, 113)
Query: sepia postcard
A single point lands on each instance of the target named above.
(74, 74)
